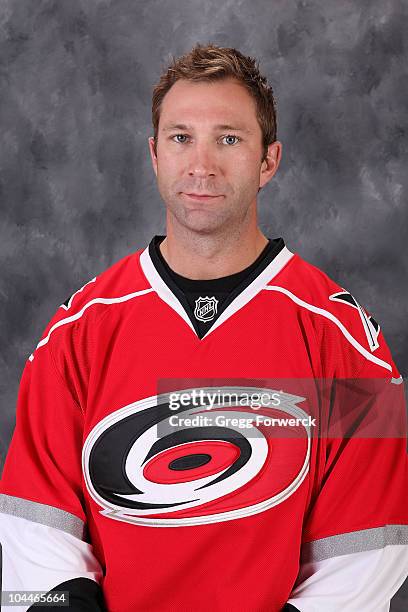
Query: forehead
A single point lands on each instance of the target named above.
(208, 103)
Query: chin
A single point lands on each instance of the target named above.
(205, 228)
(200, 220)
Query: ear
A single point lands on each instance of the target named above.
(270, 164)
(152, 154)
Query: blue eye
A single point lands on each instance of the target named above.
(237, 138)
(233, 136)
(176, 136)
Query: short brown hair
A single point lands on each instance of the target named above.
(211, 63)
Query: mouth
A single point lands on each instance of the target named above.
(201, 196)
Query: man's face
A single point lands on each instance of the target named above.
(210, 142)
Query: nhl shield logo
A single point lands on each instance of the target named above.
(205, 308)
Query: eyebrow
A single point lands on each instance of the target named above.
(223, 126)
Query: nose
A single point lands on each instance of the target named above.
(202, 161)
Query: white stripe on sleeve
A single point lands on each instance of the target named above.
(358, 582)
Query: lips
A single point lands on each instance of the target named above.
(201, 196)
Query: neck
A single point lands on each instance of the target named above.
(198, 256)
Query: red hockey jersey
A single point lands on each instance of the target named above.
(114, 473)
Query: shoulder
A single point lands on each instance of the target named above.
(342, 323)
(122, 281)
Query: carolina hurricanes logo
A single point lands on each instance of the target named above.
(370, 325)
(195, 475)
(205, 308)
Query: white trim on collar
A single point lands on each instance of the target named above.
(165, 293)
(162, 290)
(254, 288)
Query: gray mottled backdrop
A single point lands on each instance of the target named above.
(77, 191)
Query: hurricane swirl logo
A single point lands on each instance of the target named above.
(141, 473)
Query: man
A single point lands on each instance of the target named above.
(102, 498)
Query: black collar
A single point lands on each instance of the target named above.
(230, 286)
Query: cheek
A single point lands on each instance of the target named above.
(246, 161)
(169, 169)
(245, 169)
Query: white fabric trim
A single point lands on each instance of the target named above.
(359, 582)
(71, 299)
(37, 557)
(78, 315)
(241, 300)
(271, 270)
(328, 315)
(160, 287)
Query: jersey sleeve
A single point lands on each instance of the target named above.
(43, 531)
(361, 581)
(354, 553)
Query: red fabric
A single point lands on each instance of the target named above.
(116, 354)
